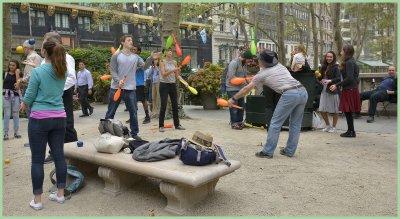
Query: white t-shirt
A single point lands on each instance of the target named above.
(298, 58)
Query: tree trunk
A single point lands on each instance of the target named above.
(7, 30)
(321, 33)
(337, 42)
(281, 34)
(395, 35)
(315, 35)
(170, 18)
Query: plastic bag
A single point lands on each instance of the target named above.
(316, 121)
(111, 144)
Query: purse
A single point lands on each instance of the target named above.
(196, 155)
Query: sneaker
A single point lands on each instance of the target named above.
(283, 152)
(180, 127)
(54, 197)
(5, 138)
(91, 110)
(370, 119)
(326, 129)
(16, 135)
(332, 130)
(48, 159)
(261, 154)
(146, 120)
(161, 129)
(36, 206)
(138, 138)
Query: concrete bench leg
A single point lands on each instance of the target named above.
(181, 197)
(115, 180)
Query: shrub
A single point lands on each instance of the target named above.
(207, 80)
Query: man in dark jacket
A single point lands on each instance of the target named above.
(386, 91)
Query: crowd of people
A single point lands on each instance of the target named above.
(45, 92)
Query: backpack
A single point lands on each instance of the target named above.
(114, 127)
(75, 181)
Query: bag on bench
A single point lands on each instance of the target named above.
(114, 127)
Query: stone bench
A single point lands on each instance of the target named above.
(182, 185)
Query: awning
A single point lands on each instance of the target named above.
(373, 63)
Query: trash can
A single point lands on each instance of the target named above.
(272, 98)
(255, 110)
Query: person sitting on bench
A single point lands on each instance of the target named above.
(386, 91)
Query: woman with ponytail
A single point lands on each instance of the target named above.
(350, 98)
(47, 120)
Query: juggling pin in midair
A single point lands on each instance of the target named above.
(168, 44)
(177, 48)
(253, 48)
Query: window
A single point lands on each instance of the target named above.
(62, 21)
(104, 27)
(14, 16)
(125, 28)
(221, 26)
(84, 23)
(37, 18)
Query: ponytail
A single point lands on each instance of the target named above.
(56, 53)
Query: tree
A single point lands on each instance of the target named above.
(337, 36)
(314, 34)
(7, 30)
(281, 34)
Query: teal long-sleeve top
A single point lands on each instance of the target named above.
(44, 90)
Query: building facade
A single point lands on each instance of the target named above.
(76, 24)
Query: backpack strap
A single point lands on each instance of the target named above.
(221, 155)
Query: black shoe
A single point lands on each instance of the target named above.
(161, 129)
(138, 138)
(5, 138)
(146, 120)
(91, 110)
(348, 135)
(16, 135)
(283, 152)
(180, 127)
(263, 155)
(370, 119)
(48, 159)
(84, 115)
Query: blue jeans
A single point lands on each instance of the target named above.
(11, 107)
(41, 132)
(291, 103)
(236, 114)
(223, 88)
(129, 97)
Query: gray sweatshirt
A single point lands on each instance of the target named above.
(235, 69)
(125, 65)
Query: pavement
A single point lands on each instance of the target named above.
(328, 176)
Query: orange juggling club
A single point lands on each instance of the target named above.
(167, 125)
(118, 93)
(105, 77)
(177, 48)
(237, 80)
(112, 50)
(223, 102)
(185, 61)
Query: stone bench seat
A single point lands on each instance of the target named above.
(182, 185)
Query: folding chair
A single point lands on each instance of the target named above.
(385, 104)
